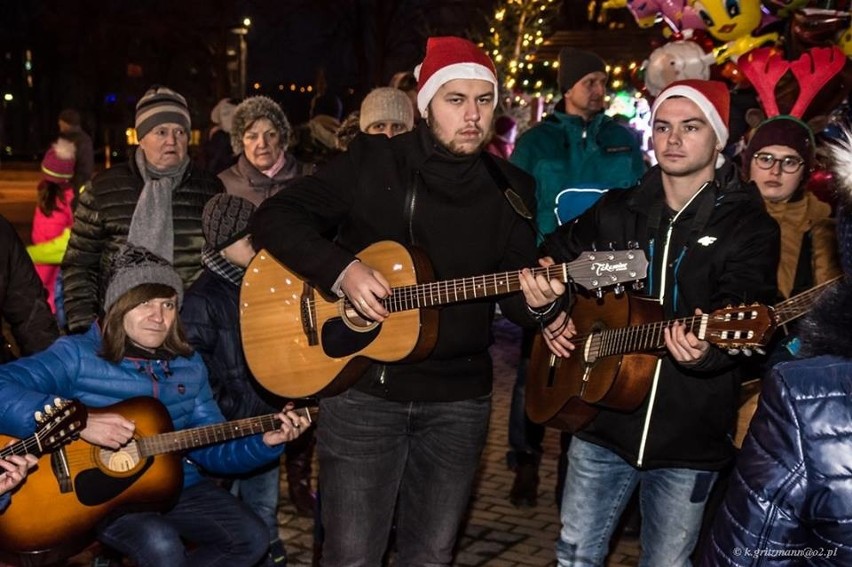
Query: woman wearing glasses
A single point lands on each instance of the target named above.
(778, 160)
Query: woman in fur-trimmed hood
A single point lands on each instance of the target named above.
(260, 136)
(791, 492)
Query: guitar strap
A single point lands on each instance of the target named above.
(515, 200)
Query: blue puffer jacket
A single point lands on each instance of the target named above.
(71, 368)
(790, 497)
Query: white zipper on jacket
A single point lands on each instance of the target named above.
(664, 271)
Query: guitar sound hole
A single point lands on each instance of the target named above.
(121, 461)
(339, 340)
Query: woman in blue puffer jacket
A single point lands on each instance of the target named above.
(139, 349)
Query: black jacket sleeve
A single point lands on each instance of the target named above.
(22, 297)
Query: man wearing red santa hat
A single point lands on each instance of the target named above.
(404, 442)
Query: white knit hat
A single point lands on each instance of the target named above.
(386, 104)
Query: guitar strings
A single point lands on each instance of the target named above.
(416, 295)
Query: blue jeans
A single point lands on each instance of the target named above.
(376, 455)
(260, 492)
(225, 532)
(598, 486)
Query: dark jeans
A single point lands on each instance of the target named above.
(223, 530)
(375, 455)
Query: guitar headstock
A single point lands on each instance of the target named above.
(59, 423)
(739, 327)
(597, 269)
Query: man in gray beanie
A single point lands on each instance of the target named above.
(154, 200)
(576, 154)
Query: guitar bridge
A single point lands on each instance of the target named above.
(309, 314)
(61, 470)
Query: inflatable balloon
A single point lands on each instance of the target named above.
(676, 61)
(734, 21)
(784, 8)
(678, 14)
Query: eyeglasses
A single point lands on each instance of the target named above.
(789, 164)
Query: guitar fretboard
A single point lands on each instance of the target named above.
(433, 294)
(638, 338)
(793, 308)
(186, 439)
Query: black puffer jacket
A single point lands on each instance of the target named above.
(102, 221)
(721, 249)
(22, 298)
(211, 317)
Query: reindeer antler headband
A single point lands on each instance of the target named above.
(765, 67)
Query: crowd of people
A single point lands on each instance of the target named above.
(131, 287)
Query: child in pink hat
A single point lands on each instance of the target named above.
(53, 216)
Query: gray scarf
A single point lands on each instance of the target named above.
(152, 225)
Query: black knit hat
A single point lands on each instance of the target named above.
(133, 266)
(574, 64)
(160, 105)
(225, 220)
(255, 108)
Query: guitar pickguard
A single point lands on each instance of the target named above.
(95, 487)
(339, 340)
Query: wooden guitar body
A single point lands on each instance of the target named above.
(559, 391)
(79, 485)
(299, 343)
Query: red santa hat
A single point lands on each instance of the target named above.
(712, 97)
(449, 58)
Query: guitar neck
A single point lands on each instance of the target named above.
(793, 308)
(186, 439)
(29, 445)
(641, 338)
(434, 294)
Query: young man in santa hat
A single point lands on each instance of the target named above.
(710, 243)
(404, 443)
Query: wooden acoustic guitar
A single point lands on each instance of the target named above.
(619, 340)
(300, 343)
(81, 484)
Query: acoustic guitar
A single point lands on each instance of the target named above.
(81, 484)
(300, 343)
(619, 340)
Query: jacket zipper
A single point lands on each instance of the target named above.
(663, 273)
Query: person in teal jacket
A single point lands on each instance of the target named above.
(576, 154)
(139, 349)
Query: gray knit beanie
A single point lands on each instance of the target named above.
(386, 104)
(250, 110)
(160, 105)
(574, 64)
(133, 266)
(225, 220)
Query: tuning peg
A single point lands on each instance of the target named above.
(760, 351)
(599, 293)
(638, 284)
(748, 352)
(618, 289)
(39, 417)
(59, 403)
(48, 409)
(733, 351)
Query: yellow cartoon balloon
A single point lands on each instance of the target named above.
(726, 20)
(733, 22)
(845, 42)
